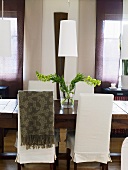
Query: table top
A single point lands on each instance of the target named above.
(10, 106)
(65, 118)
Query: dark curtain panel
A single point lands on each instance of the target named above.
(11, 73)
(106, 10)
(20, 24)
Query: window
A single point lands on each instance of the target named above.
(8, 65)
(11, 68)
(111, 48)
(107, 58)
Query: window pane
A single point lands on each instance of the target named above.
(8, 65)
(112, 29)
(111, 49)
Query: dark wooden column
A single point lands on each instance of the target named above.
(58, 16)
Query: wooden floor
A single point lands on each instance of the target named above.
(11, 165)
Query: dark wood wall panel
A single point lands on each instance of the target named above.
(58, 16)
(9, 5)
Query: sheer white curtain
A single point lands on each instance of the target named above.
(32, 40)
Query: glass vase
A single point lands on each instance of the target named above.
(67, 100)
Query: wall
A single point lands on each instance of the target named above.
(80, 11)
(87, 29)
(48, 45)
(32, 40)
(40, 53)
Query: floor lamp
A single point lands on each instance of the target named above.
(68, 43)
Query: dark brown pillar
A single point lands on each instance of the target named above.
(58, 16)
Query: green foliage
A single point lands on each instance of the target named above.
(65, 88)
(125, 67)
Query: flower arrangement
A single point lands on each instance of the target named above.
(68, 90)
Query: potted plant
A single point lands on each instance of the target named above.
(67, 90)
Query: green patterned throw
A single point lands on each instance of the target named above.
(36, 119)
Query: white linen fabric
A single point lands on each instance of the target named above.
(46, 155)
(90, 142)
(124, 154)
(82, 87)
(37, 85)
(40, 155)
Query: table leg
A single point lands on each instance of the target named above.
(1, 140)
(7, 155)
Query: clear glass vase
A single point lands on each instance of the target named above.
(67, 100)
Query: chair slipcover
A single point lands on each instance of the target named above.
(90, 142)
(124, 154)
(37, 85)
(37, 154)
(82, 87)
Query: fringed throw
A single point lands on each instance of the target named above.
(36, 119)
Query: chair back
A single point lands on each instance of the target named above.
(124, 154)
(35, 127)
(36, 85)
(82, 87)
(93, 128)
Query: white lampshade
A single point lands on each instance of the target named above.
(67, 39)
(124, 44)
(5, 38)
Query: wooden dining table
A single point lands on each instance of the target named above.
(64, 118)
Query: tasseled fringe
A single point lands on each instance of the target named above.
(37, 141)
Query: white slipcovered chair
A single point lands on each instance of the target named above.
(124, 154)
(36, 85)
(82, 87)
(90, 142)
(35, 143)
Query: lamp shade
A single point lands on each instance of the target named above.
(124, 44)
(67, 39)
(5, 38)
